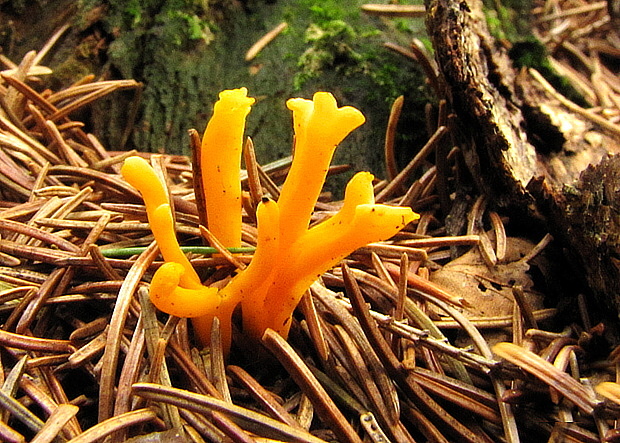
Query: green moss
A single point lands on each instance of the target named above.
(496, 27)
(403, 25)
(509, 20)
(330, 48)
(181, 29)
(532, 53)
(336, 47)
(329, 45)
(175, 24)
(322, 14)
(324, 11)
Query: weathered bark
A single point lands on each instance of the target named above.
(590, 212)
(480, 84)
(525, 148)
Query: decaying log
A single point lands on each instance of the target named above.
(527, 147)
(592, 212)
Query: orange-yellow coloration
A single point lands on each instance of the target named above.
(221, 165)
(168, 296)
(319, 127)
(289, 256)
(246, 283)
(318, 249)
(141, 175)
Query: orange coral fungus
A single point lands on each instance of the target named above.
(220, 159)
(289, 255)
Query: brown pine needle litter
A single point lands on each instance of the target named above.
(380, 350)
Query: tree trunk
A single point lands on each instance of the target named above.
(526, 147)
